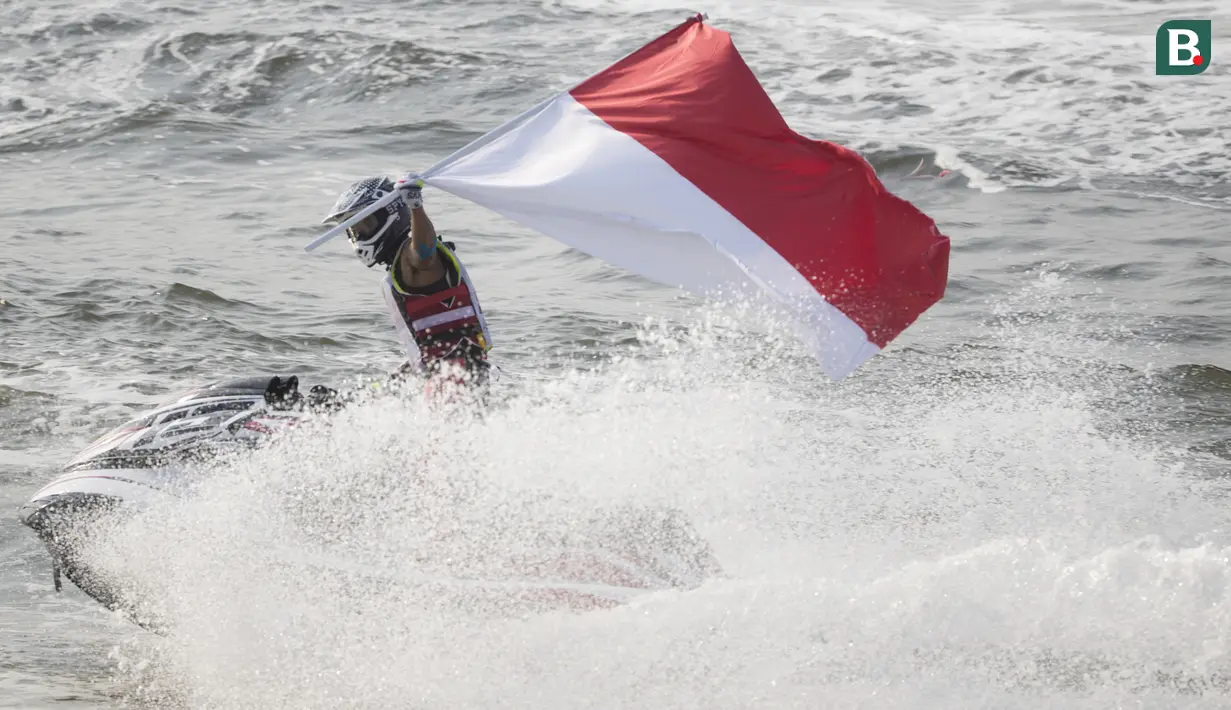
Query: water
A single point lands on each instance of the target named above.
(1020, 504)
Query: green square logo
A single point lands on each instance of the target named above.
(1182, 47)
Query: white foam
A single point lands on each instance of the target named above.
(916, 542)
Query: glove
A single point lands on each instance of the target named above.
(411, 187)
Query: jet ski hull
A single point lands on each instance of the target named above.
(146, 462)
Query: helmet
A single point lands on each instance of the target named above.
(376, 238)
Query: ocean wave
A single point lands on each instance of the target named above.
(26, 415)
(183, 293)
(12, 397)
(1200, 407)
(194, 79)
(100, 25)
(242, 71)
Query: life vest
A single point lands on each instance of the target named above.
(446, 326)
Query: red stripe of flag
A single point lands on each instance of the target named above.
(690, 98)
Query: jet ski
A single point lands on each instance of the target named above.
(143, 460)
(141, 463)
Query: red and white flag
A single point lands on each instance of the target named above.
(673, 163)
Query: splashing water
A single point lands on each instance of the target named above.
(972, 528)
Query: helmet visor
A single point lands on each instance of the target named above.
(367, 228)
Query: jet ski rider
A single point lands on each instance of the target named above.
(431, 299)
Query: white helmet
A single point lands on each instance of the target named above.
(378, 236)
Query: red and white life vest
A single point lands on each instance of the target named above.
(434, 326)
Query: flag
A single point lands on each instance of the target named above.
(673, 163)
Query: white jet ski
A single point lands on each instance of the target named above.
(140, 463)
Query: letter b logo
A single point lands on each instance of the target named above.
(1182, 47)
